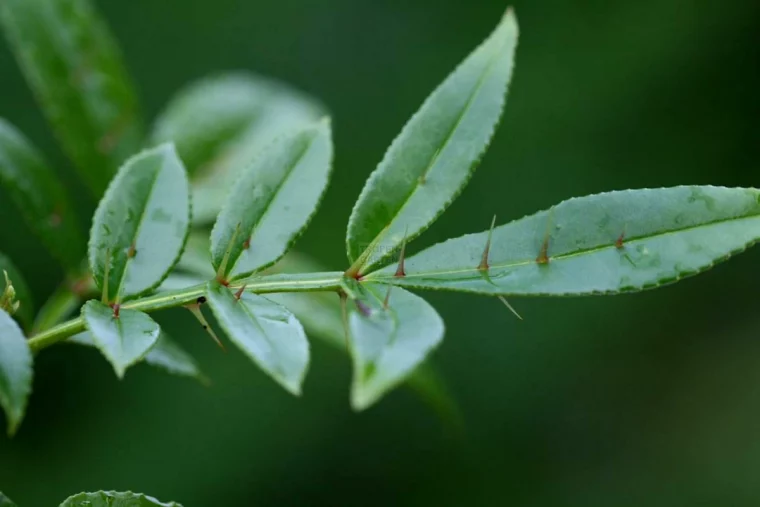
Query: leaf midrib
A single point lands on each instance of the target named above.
(140, 222)
(476, 90)
(273, 196)
(394, 317)
(577, 253)
(278, 366)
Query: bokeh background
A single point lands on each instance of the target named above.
(648, 399)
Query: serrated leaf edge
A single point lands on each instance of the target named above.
(381, 262)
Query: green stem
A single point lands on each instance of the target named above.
(311, 282)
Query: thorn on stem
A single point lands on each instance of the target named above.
(483, 266)
(387, 297)
(239, 293)
(619, 243)
(511, 309)
(116, 308)
(247, 244)
(195, 309)
(543, 255)
(400, 272)
(132, 251)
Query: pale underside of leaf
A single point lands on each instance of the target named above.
(431, 161)
(74, 67)
(40, 197)
(114, 499)
(15, 372)
(140, 226)
(608, 243)
(5, 501)
(387, 342)
(166, 355)
(123, 340)
(272, 202)
(265, 331)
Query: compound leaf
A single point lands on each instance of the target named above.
(140, 227)
(272, 202)
(387, 342)
(320, 314)
(114, 499)
(601, 244)
(42, 200)
(74, 67)
(265, 331)
(125, 339)
(430, 162)
(15, 372)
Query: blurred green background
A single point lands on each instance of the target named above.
(649, 399)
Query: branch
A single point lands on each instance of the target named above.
(307, 282)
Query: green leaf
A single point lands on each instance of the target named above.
(601, 244)
(74, 67)
(5, 501)
(320, 314)
(221, 123)
(387, 343)
(25, 312)
(40, 197)
(165, 355)
(114, 499)
(15, 372)
(125, 339)
(265, 331)
(140, 227)
(272, 202)
(430, 162)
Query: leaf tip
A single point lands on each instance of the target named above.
(360, 401)
(167, 147)
(13, 424)
(510, 307)
(510, 18)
